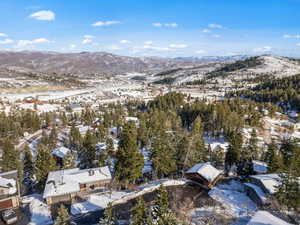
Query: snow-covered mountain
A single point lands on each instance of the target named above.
(256, 67)
(93, 63)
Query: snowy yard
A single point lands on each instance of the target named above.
(234, 199)
(100, 201)
(40, 212)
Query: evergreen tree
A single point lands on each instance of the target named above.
(68, 161)
(44, 163)
(288, 192)
(108, 218)
(63, 217)
(234, 149)
(274, 159)
(161, 212)
(252, 149)
(129, 161)
(88, 150)
(162, 156)
(52, 141)
(140, 214)
(110, 146)
(75, 138)
(10, 156)
(27, 161)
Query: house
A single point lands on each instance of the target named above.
(114, 131)
(135, 120)
(265, 218)
(259, 167)
(60, 152)
(77, 108)
(267, 182)
(204, 173)
(9, 190)
(66, 185)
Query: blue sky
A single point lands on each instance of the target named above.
(152, 27)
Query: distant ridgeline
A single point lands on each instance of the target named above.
(284, 91)
(238, 65)
(224, 71)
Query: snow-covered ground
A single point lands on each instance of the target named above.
(40, 212)
(233, 198)
(100, 201)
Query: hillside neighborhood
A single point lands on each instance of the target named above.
(149, 112)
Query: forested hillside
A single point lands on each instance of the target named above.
(284, 92)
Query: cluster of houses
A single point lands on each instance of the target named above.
(75, 185)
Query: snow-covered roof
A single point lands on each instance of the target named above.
(68, 181)
(270, 181)
(260, 167)
(11, 184)
(293, 114)
(266, 218)
(206, 170)
(260, 193)
(61, 151)
(131, 118)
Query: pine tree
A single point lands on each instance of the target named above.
(68, 161)
(140, 214)
(52, 141)
(63, 217)
(274, 159)
(27, 161)
(288, 192)
(129, 161)
(88, 150)
(44, 163)
(234, 150)
(110, 146)
(161, 212)
(10, 156)
(75, 138)
(162, 156)
(108, 218)
(252, 148)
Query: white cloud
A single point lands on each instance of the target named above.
(172, 25)
(200, 52)
(87, 41)
(87, 36)
(3, 35)
(215, 26)
(43, 15)
(178, 46)
(148, 42)
(296, 36)
(216, 35)
(115, 47)
(125, 42)
(157, 24)
(298, 44)
(156, 48)
(6, 41)
(24, 43)
(105, 23)
(263, 49)
(72, 46)
(206, 31)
